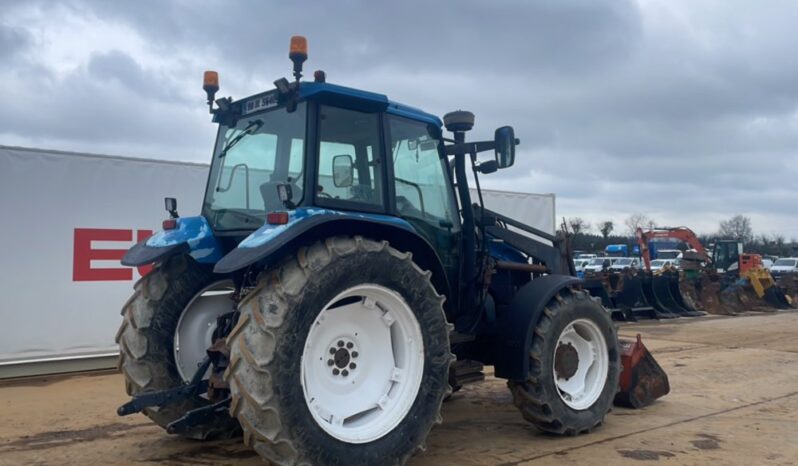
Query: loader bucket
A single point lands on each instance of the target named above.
(689, 289)
(642, 379)
(658, 296)
(630, 296)
(683, 300)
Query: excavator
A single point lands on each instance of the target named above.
(727, 281)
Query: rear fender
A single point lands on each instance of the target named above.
(306, 224)
(518, 321)
(192, 235)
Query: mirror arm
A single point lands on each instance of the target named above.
(469, 147)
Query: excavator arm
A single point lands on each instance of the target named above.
(681, 233)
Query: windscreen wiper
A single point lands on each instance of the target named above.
(253, 126)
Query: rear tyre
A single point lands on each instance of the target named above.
(574, 367)
(147, 341)
(340, 356)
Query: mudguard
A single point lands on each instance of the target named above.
(193, 235)
(518, 321)
(269, 239)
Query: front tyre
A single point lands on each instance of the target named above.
(573, 368)
(340, 356)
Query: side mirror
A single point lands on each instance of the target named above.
(504, 141)
(343, 171)
(170, 204)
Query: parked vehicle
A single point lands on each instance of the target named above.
(622, 263)
(616, 250)
(580, 264)
(659, 264)
(599, 263)
(784, 266)
(321, 297)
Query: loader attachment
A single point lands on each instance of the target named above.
(630, 297)
(642, 379)
(658, 296)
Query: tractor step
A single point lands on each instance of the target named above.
(465, 371)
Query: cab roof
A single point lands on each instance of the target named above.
(363, 100)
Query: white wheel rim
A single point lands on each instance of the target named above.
(194, 331)
(377, 340)
(580, 383)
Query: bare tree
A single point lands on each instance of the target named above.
(578, 225)
(635, 221)
(606, 228)
(737, 227)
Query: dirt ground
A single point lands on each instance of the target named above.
(734, 400)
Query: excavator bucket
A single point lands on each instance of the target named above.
(657, 293)
(621, 293)
(642, 379)
(683, 303)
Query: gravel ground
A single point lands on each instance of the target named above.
(734, 400)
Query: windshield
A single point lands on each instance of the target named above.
(252, 158)
(668, 254)
(658, 263)
(786, 262)
(598, 261)
(623, 262)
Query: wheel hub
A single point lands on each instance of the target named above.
(342, 355)
(566, 361)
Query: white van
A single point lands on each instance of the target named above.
(784, 266)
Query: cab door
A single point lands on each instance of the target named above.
(420, 187)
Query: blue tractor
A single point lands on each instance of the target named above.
(337, 270)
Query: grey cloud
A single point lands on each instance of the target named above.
(13, 41)
(681, 110)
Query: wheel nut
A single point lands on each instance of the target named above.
(330, 362)
(352, 365)
(332, 350)
(336, 371)
(350, 345)
(354, 354)
(344, 372)
(340, 343)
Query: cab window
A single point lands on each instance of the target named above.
(349, 157)
(420, 182)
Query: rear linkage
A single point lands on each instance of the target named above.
(217, 360)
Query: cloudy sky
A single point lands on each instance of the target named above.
(686, 111)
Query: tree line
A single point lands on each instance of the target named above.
(587, 237)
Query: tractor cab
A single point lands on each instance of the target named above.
(333, 148)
